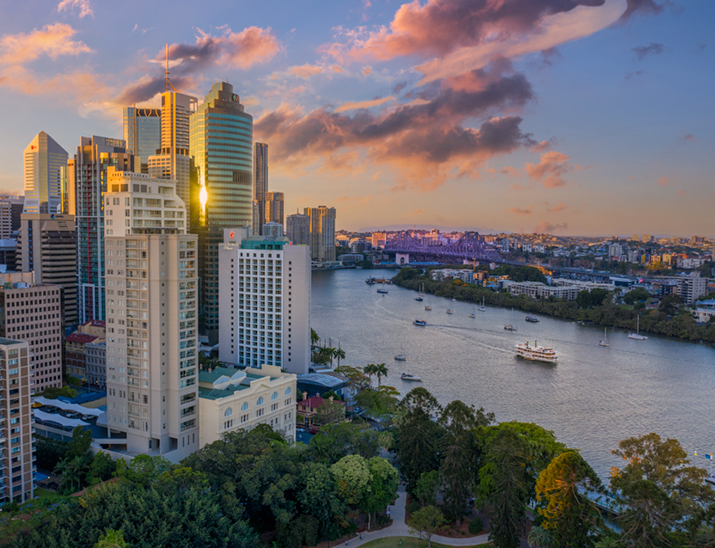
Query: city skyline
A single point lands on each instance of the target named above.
(586, 121)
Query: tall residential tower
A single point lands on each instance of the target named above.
(260, 186)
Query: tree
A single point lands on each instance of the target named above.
(635, 295)
(377, 369)
(314, 338)
(382, 488)
(660, 492)
(352, 479)
(143, 469)
(569, 515)
(426, 487)
(52, 392)
(101, 469)
(339, 354)
(539, 537)
(76, 463)
(426, 521)
(112, 539)
(318, 497)
(357, 379)
(670, 304)
(49, 452)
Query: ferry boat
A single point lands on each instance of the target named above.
(408, 377)
(536, 353)
(421, 323)
(370, 281)
(532, 319)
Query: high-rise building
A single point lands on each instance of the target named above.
(275, 210)
(142, 132)
(274, 230)
(17, 460)
(44, 160)
(20, 300)
(221, 146)
(10, 210)
(298, 228)
(260, 186)
(322, 233)
(48, 247)
(94, 156)
(265, 301)
(152, 354)
(691, 287)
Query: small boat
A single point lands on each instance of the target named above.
(472, 315)
(604, 340)
(532, 319)
(401, 356)
(383, 291)
(428, 308)
(421, 323)
(482, 308)
(511, 326)
(419, 299)
(422, 291)
(370, 281)
(536, 353)
(449, 311)
(408, 377)
(637, 335)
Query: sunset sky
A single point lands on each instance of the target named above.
(588, 117)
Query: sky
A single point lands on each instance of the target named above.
(581, 117)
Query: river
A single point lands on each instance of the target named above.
(593, 398)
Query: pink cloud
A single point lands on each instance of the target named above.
(551, 169)
(682, 193)
(664, 181)
(557, 208)
(520, 211)
(543, 146)
(52, 40)
(305, 71)
(366, 71)
(545, 227)
(85, 7)
(337, 68)
(363, 104)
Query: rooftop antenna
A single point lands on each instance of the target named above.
(168, 82)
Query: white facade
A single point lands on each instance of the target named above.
(264, 302)
(152, 357)
(691, 287)
(232, 400)
(44, 160)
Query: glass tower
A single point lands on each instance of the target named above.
(142, 132)
(260, 186)
(44, 160)
(221, 137)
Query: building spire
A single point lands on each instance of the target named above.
(168, 82)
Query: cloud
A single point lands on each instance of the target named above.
(337, 68)
(682, 193)
(52, 40)
(415, 212)
(631, 73)
(545, 227)
(520, 211)
(664, 181)
(424, 141)
(85, 7)
(644, 7)
(541, 147)
(346, 203)
(363, 104)
(557, 208)
(689, 137)
(305, 71)
(551, 169)
(366, 71)
(644, 51)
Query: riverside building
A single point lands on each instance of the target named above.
(151, 339)
(265, 302)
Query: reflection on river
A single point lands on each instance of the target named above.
(593, 398)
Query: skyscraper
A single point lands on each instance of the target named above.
(94, 156)
(298, 228)
(260, 185)
(10, 211)
(275, 208)
(322, 233)
(221, 146)
(44, 160)
(271, 277)
(152, 344)
(142, 132)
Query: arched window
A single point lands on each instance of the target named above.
(244, 407)
(228, 412)
(274, 396)
(260, 401)
(288, 391)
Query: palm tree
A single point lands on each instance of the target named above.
(539, 538)
(330, 353)
(314, 338)
(380, 371)
(370, 369)
(112, 539)
(339, 354)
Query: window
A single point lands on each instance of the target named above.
(228, 412)
(274, 396)
(288, 391)
(244, 406)
(260, 401)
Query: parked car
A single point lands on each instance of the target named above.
(312, 430)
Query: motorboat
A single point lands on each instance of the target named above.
(419, 299)
(510, 327)
(536, 353)
(532, 319)
(408, 377)
(428, 308)
(421, 323)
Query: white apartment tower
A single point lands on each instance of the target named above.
(264, 301)
(151, 352)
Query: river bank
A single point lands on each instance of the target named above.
(681, 326)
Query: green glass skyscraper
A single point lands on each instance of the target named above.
(221, 144)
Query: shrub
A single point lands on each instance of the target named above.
(476, 525)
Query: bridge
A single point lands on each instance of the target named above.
(470, 247)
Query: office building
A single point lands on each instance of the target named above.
(275, 209)
(260, 186)
(298, 229)
(274, 230)
(8, 255)
(151, 341)
(32, 312)
(44, 160)
(231, 399)
(47, 246)
(142, 133)
(10, 211)
(264, 291)
(76, 345)
(17, 461)
(322, 233)
(94, 156)
(221, 146)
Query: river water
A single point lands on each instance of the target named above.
(593, 398)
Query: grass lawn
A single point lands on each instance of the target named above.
(402, 542)
(45, 495)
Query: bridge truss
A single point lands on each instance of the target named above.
(470, 246)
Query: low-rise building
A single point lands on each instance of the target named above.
(317, 411)
(76, 343)
(560, 289)
(97, 364)
(465, 274)
(704, 311)
(235, 399)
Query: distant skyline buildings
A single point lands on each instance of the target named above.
(44, 160)
(322, 233)
(260, 186)
(142, 132)
(298, 228)
(275, 208)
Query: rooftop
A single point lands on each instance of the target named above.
(81, 338)
(9, 342)
(217, 393)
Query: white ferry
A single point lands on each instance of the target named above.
(536, 353)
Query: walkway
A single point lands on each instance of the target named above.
(399, 528)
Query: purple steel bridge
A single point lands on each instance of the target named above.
(470, 246)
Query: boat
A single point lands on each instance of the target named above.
(449, 311)
(532, 319)
(637, 335)
(428, 308)
(511, 326)
(472, 315)
(422, 290)
(421, 323)
(482, 308)
(604, 340)
(383, 291)
(419, 299)
(536, 353)
(408, 377)
(401, 356)
(370, 281)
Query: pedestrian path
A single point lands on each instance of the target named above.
(400, 529)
